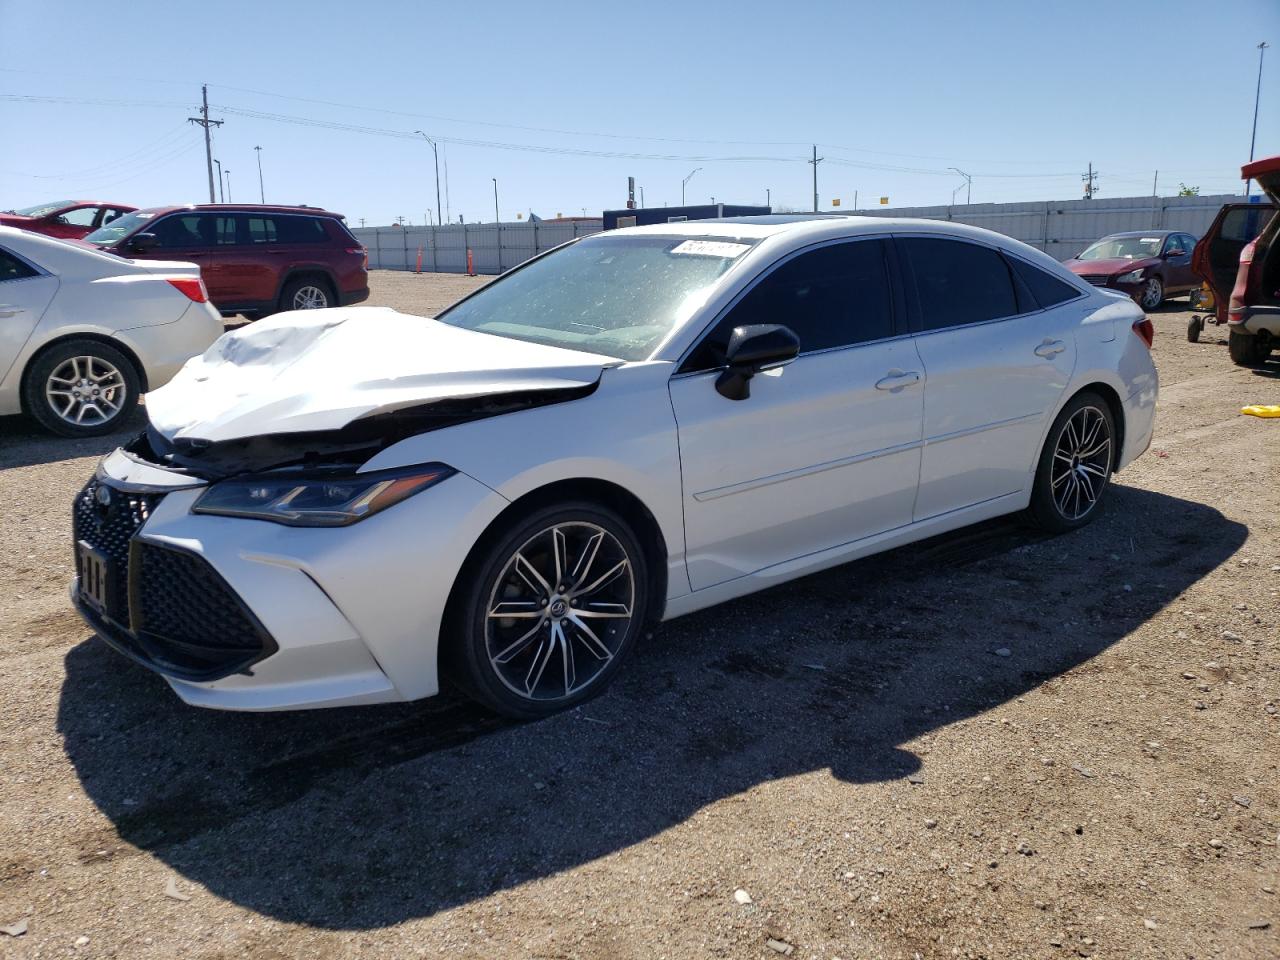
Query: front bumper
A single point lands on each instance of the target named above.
(350, 615)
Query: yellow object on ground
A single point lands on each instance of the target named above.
(1261, 410)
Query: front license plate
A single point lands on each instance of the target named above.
(95, 578)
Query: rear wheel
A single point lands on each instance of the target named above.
(1246, 349)
(307, 293)
(1075, 465)
(550, 611)
(81, 388)
(1194, 327)
(1152, 294)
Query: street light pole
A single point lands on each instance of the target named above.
(496, 218)
(436, 154)
(221, 197)
(968, 195)
(228, 176)
(262, 194)
(685, 181)
(1262, 50)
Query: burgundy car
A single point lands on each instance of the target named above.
(254, 259)
(1148, 265)
(66, 219)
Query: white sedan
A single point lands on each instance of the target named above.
(84, 333)
(334, 507)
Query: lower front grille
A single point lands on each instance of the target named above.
(166, 608)
(1097, 279)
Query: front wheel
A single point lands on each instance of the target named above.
(1246, 349)
(1075, 465)
(81, 388)
(1152, 294)
(550, 611)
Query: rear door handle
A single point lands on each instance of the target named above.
(897, 379)
(1050, 348)
(8, 311)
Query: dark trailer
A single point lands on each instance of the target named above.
(646, 216)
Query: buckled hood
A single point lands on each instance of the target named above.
(323, 369)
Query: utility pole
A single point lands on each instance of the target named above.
(642, 198)
(1257, 95)
(262, 194)
(1090, 182)
(362, 223)
(968, 194)
(436, 154)
(768, 198)
(685, 182)
(815, 161)
(496, 218)
(855, 201)
(221, 195)
(1155, 181)
(228, 175)
(204, 121)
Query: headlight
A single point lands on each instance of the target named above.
(311, 499)
(1133, 276)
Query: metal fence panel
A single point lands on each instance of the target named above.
(494, 247)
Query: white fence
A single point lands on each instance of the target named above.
(494, 247)
(1062, 228)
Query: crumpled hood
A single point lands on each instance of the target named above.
(322, 369)
(1108, 268)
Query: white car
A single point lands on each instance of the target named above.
(84, 333)
(334, 507)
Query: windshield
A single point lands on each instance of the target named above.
(43, 208)
(616, 296)
(119, 228)
(1123, 248)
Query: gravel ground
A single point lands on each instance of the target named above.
(991, 744)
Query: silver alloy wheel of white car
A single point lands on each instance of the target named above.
(559, 611)
(1081, 462)
(309, 297)
(86, 391)
(1152, 294)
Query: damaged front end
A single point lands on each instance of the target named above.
(342, 449)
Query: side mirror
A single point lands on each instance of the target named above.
(753, 348)
(1170, 254)
(142, 242)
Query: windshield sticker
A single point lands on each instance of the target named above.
(712, 248)
(1150, 240)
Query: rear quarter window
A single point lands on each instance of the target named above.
(11, 268)
(1048, 290)
(301, 230)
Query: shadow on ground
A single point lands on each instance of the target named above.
(364, 818)
(24, 443)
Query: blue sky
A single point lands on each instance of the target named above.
(562, 101)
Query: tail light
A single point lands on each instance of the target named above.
(359, 252)
(193, 288)
(1145, 331)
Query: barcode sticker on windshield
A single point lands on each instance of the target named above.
(712, 248)
(1150, 239)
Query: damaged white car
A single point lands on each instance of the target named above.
(336, 507)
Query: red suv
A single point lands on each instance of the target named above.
(1240, 259)
(65, 219)
(254, 259)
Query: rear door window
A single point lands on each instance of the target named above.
(1046, 289)
(261, 230)
(958, 282)
(300, 230)
(834, 296)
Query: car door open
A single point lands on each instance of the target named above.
(824, 450)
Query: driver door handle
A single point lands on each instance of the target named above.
(897, 379)
(1050, 348)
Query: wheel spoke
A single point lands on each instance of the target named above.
(506, 655)
(539, 665)
(588, 556)
(604, 610)
(604, 579)
(559, 550)
(524, 568)
(566, 655)
(517, 610)
(593, 644)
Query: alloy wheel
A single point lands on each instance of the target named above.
(559, 611)
(85, 391)
(310, 297)
(1081, 463)
(1152, 294)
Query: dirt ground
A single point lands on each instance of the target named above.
(991, 744)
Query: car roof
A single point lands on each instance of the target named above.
(243, 208)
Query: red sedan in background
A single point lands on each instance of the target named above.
(1148, 265)
(67, 219)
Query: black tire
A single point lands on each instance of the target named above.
(115, 401)
(1246, 349)
(1047, 510)
(1194, 326)
(314, 290)
(473, 640)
